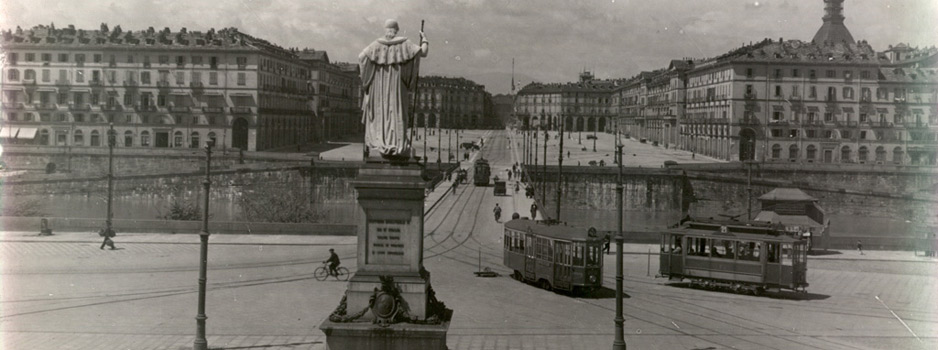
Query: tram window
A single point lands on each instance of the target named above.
(528, 241)
(787, 254)
(592, 255)
(748, 251)
(578, 254)
(676, 244)
(772, 256)
(719, 249)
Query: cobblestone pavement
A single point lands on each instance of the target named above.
(62, 292)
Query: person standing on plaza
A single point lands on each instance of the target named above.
(860, 247)
(607, 239)
(389, 69)
(533, 211)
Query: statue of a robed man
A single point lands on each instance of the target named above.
(389, 70)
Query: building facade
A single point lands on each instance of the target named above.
(828, 101)
(334, 89)
(582, 106)
(444, 102)
(159, 89)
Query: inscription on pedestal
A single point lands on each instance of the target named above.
(387, 240)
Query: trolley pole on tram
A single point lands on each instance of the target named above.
(200, 342)
(619, 342)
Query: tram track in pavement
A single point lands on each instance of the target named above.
(475, 219)
(686, 301)
(433, 233)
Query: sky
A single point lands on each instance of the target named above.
(550, 40)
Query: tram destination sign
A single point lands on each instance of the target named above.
(386, 240)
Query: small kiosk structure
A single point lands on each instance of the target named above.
(799, 213)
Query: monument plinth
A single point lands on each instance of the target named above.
(390, 241)
(389, 303)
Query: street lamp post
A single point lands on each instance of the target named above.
(200, 342)
(439, 142)
(111, 142)
(544, 177)
(559, 172)
(619, 342)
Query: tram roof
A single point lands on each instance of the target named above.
(732, 235)
(558, 231)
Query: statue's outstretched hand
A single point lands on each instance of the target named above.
(423, 38)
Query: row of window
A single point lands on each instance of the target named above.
(847, 92)
(212, 61)
(130, 77)
(61, 138)
(560, 252)
(127, 119)
(730, 249)
(846, 153)
(812, 73)
(143, 99)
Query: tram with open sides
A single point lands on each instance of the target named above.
(739, 257)
(554, 256)
(481, 172)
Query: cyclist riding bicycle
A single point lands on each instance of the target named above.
(498, 212)
(333, 262)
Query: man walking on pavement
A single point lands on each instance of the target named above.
(107, 233)
(533, 211)
(860, 247)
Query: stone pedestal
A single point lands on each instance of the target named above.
(396, 336)
(390, 244)
(390, 241)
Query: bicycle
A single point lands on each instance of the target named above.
(322, 273)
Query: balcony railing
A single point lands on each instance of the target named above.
(112, 108)
(749, 96)
(162, 83)
(47, 106)
(179, 109)
(62, 82)
(749, 121)
(213, 109)
(79, 107)
(131, 83)
(96, 83)
(29, 81)
(148, 108)
(195, 84)
(241, 110)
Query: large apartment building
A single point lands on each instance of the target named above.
(445, 102)
(582, 106)
(164, 89)
(831, 100)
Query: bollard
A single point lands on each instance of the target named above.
(648, 264)
(44, 228)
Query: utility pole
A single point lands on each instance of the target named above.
(534, 149)
(619, 342)
(426, 126)
(544, 177)
(439, 141)
(111, 142)
(559, 172)
(200, 342)
(749, 189)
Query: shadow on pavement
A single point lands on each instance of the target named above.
(823, 252)
(782, 295)
(267, 346)
(604, 293)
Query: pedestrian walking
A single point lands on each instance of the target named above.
(509, 175)
(107, 233)
(860, 247)
(607, 239)
(533, 211)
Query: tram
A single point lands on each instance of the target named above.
(736, 256)
(554, 257)
(481, 172)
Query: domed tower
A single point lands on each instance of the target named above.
(833, 30)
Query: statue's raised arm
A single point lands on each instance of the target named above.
(389, 69)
